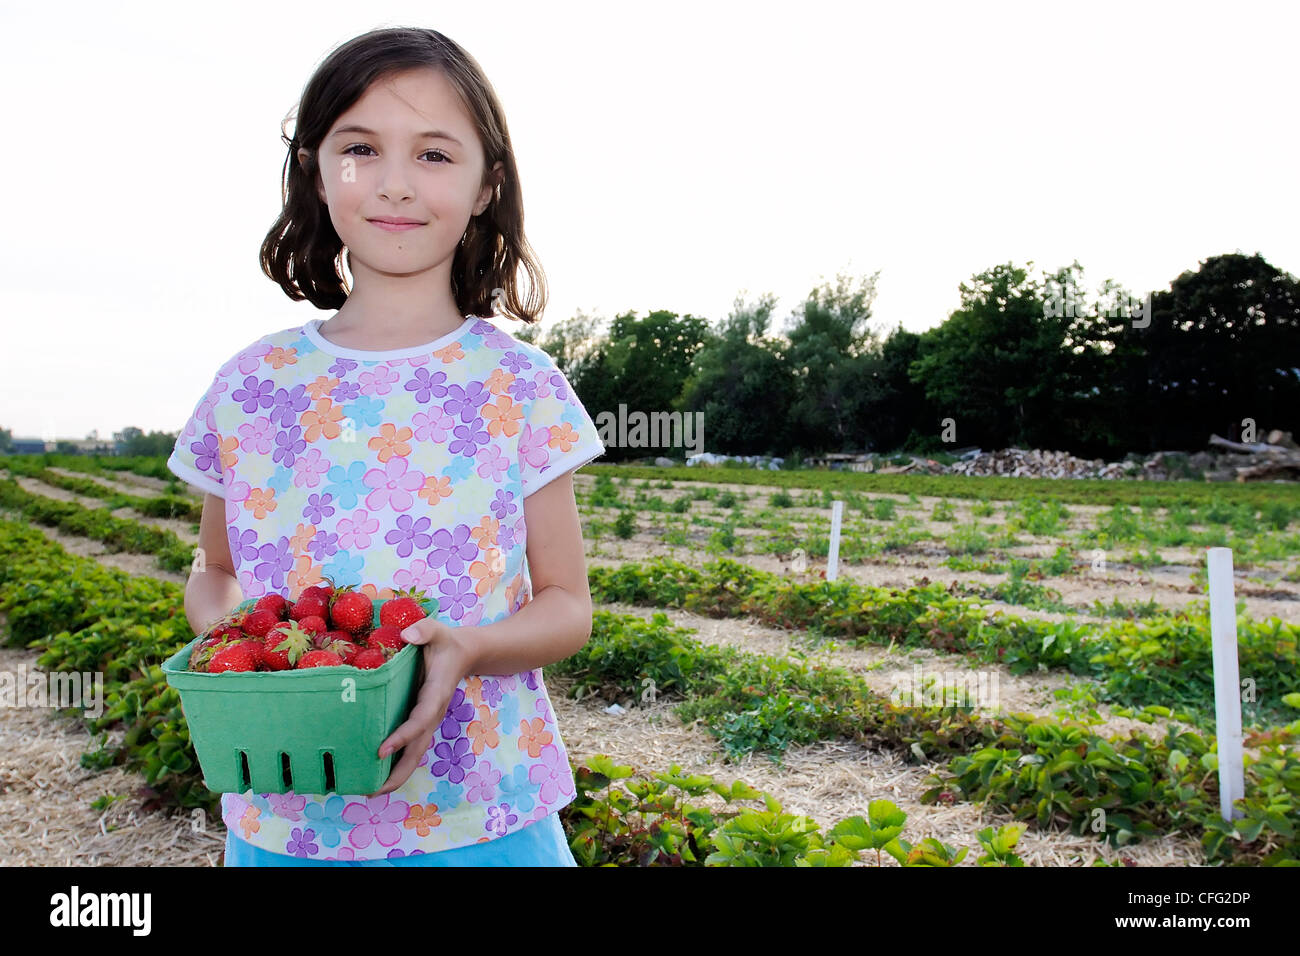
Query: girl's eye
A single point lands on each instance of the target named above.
(443, 157)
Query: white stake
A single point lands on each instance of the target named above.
(1227, 682)
(833, 559)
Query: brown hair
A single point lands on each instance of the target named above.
(301, 250)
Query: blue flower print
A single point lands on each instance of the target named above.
(366, 412)
(508, 717)
(281, 480)
(303, 345)
(517, 789)
(459, 469)
(446, 795)
(348, 486)
(345, 568)
(327, 821)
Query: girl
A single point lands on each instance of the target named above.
(406, 442)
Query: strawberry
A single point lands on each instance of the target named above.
(402, 611)
(309, 602)
(225, 631)
(344, 648)
(313, 624)
(259, 623)
(244, 656)
(368, 659)
(275, 603)
(351, 610)
(321, 641)
(319, 659)
(286, 643)
(385, 635)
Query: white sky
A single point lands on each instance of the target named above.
(670, 158)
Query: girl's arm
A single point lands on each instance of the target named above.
(556, 623)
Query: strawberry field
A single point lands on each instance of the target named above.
(1003, 671)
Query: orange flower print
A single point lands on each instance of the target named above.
(563, 436)
(391, 441)
(485, 533)
(280, 357)
(450, 353)
(488, 571)
(483, 731)
(322, 420)
(474, 689)
(303, 575)
(435, 489)
(533, 736)
(322, 387)
(503, 416)
(228, 456)
(513, 589)
(499, 381)
(302, 537)
(422, 819)
(248, 822)
(261, 502)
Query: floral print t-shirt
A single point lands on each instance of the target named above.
(386, 470)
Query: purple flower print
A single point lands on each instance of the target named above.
(302, 843)
(345, 392)
(288, 404)
(543, 707)
(482, 783)
(492, 463)
(254, 394)
(500, 819)
(355, 532)
(522, 390)
(288, 445)
(514, 362)
(427, 385)
(454, 758)
(561, 387)
(466, 401)
(529, 678)
(502, 505)
(378, 380)
(207, 453)
(457, 596)
(242, 544)
(394, 853)
(322, 545)
(452, 549)
(506, 537)
(432, 426)
(342, 366)
(461, 710)
(309, 469)
(551, 775)
(256, 436)
(319, 507)
(493, 337)
(468, 438)
(394, 486)
(378, 819)
(491, 691)
(276, 562)
(410, 534)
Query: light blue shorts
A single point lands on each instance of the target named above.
(539, 844)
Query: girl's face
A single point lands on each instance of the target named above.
(406, 150)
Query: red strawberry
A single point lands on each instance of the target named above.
(386, 635)
(313, 624)
(401, 612)
(259, 623)
(368, 659)
(321, 641)
(275, 603)
(309, 602)
(351, 610)
(343, 647)
(286, 643)
(244, 656)
(319, 659)
(226, 632)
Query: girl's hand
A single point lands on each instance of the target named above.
(446, 663)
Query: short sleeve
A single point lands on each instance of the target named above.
(558, 434)
(196, 457)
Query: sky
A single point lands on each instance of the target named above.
(671, 156)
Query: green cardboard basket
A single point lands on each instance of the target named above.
(314, 731)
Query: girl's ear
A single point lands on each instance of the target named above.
(303, 156)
